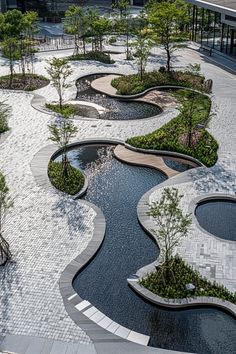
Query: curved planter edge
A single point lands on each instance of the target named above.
(160, 87)
(166, 153)
(210, 196)
(146, 224)
(182, 303)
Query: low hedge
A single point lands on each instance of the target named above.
(67, 110)
(132, 84)
(184, 274)
(29, 82)
(94, 55)
(168, 136)
(72, 185)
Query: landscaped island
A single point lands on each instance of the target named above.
(186, 133)
(26, 82)
(176, 287)
(134, 84)
(72, 183)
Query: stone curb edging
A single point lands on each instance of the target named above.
(70, 298)
(211, 196)
(137, 95)
(74, 304)
(165, 153)
(147, 225)
(39, 169)
(182, 303)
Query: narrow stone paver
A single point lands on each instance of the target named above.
(46, 231)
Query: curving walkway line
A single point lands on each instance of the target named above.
(148, 226)
(141, 159)
(81, 311)
(104, 86)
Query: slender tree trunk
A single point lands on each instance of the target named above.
(11, 72)
(5, 253)
(168, 59)
(127, 45)
(84, 48)
(141, 70)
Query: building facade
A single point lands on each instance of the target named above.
(214, 24)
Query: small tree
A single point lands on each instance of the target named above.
(61, 134)
(189, 109)
(76, 24)
(5, 204)
(123, 22)
(10, 49)
(121, 6)
(100, 26)
(59, 70)
(167, 19)
(142, 47)
(172, 225)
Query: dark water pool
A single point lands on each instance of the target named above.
(114, 109)
(116, 188)
(218, 216)
(176, 165)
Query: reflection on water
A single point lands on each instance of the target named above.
(116, 188)
(218, 217)
(114, 109)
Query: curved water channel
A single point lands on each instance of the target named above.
(114, 109)
(116, 188)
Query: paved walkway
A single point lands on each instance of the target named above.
(103, 85)
(46, 231)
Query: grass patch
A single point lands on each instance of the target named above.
(168, 137)
(95, 55)
(72, 185)
(132, 84)
(29, 82)
(184, 274)
(67, 110)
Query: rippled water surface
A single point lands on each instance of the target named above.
(116, 188)
(218, 217)
(114, 109)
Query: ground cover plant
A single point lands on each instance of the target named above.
(93, 55)
(191, 122)
(27, 82)
(176, 288)
(67, 110)
(133, 84)
(4, 113)
(173, 278)
(72, 184)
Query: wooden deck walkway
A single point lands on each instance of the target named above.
(148, 160)
(103, 85)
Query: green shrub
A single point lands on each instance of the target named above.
(132, 84)
(29, 82)
(168, 136)
(184, 274)
(96, 55)
(67, 110)
(71, 185)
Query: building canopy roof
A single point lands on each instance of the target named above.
(224, 6)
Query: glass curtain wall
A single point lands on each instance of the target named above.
(208, 30)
